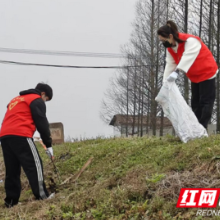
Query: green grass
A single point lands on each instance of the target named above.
(129, 178)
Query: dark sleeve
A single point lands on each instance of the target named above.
(38, 111)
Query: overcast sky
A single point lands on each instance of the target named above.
(99, 26)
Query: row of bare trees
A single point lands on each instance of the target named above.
(134, 88)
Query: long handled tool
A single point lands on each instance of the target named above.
(56, 171)
(76, 176)
(79, 173)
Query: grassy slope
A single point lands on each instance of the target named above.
(130, 178)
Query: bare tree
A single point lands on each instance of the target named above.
(133, 90)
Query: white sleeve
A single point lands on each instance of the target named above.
(170, 66)
(191, 51)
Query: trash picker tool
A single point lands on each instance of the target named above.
(52, 159)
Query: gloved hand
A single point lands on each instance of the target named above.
(172, 77)
(49, 152)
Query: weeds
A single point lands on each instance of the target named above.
(129, 178)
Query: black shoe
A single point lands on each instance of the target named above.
(10, 204)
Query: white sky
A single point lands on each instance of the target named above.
(98, 26)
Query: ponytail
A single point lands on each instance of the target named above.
(170, 28)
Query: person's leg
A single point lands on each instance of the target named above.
(12, 175)
(32, 165)
(195, 100)
(207, 99)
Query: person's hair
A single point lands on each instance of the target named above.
(42, 87)
(170, 28)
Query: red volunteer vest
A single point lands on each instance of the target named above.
(18, 119)
(204, 66)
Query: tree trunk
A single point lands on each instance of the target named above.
(217, 83)
(210, 25)
(200, 21)
(186, 81)
(127, 102)
(134, 104)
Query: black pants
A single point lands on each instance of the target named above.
(203, 97)
(17, 152)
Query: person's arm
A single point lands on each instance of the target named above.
(38, 111)
(170, 66)
(192, 49)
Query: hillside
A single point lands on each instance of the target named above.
(128, 178)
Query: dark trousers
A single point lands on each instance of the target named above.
(203, 97)
(21, 152)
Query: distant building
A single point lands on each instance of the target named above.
(57, 132)
(212, 129)
(120, 123)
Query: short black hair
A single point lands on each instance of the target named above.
(42, 87)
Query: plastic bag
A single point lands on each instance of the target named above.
(175, 108)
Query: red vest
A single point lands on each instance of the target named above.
(204, 66)
(18, 118)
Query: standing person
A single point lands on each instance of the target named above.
(187, 54)
(25, 113)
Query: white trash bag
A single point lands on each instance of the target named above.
(175, 108)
